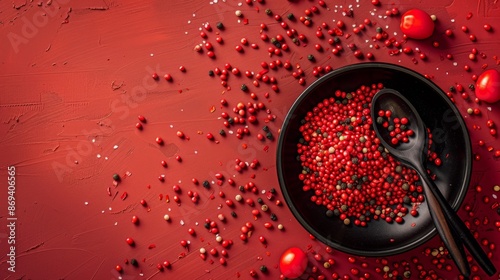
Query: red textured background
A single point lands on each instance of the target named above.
(74, 76)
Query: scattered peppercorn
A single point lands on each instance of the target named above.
(206, 184)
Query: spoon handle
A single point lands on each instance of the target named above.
(460, 228)
(451, 241)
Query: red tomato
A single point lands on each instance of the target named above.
(293, 263)
(488, 86)
(417, 24)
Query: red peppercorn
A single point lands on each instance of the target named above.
(135, 220)
(407, 50)
(130, 241)
(490, 123)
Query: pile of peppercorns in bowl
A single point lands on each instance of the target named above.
(339, 181)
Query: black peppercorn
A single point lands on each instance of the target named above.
(206, 184)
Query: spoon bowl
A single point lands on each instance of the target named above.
(393, 101)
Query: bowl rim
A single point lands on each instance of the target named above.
(352, 67)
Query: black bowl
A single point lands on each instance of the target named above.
(451, 142)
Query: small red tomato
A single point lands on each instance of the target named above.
(293, 262)
(417, 24)
(488, 86)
